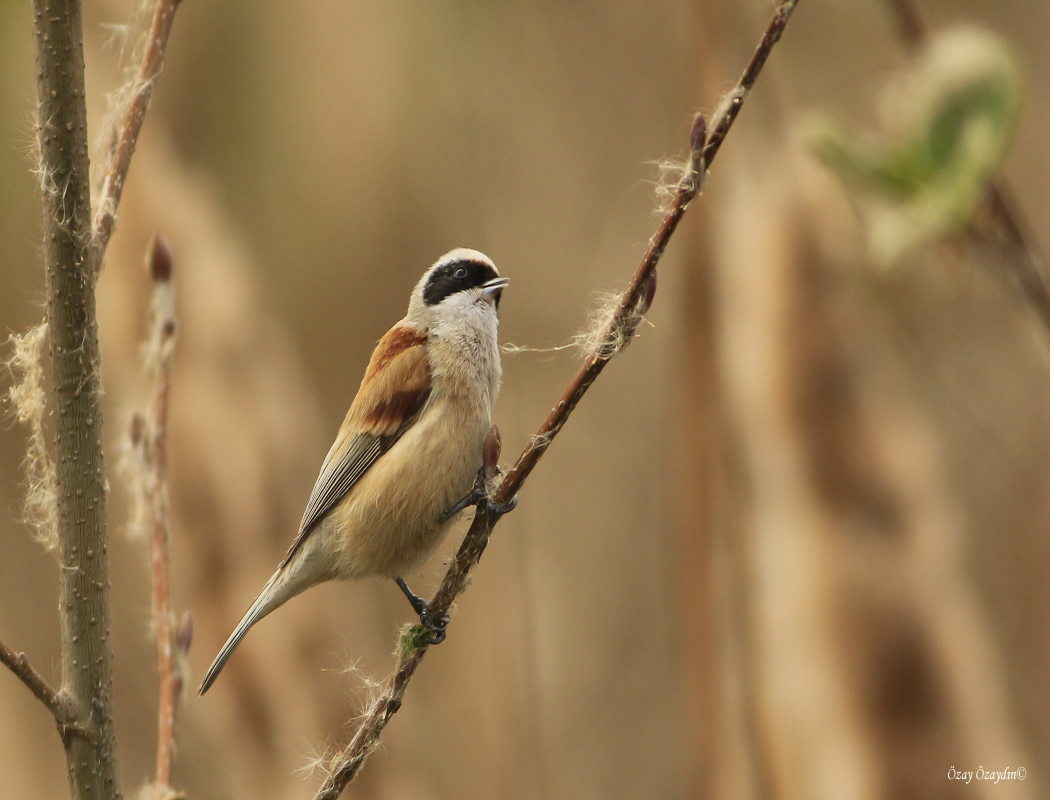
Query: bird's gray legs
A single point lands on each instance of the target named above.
(479, 495)
(422, 607)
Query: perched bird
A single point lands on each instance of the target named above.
(409, 448)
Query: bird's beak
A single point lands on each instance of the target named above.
(492, 290)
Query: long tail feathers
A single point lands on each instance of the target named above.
(272, 595)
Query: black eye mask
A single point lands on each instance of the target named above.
(443, 282)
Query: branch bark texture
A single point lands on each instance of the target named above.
(87, 678)
(617, 333)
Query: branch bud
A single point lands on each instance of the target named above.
(698, 135)
(492, 448)
(184, 633)
(160, 259)
(649, 294)
(136, 429)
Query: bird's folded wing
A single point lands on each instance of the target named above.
(392, 397)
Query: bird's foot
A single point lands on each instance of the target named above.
(478, 496)
(437, 625)
(478, 493)
(499, 509)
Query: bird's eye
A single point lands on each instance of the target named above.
(460, 274)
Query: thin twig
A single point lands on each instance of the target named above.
(618, 332)
(20, 666)
(734, 101)
(1001, 209)
(161, 350)
(1029, 265)
(134, 115)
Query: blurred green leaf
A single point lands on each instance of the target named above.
(949, 131)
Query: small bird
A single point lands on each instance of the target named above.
(409, 449)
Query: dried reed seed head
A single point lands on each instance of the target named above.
(160, 259)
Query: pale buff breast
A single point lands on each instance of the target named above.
(388, 523)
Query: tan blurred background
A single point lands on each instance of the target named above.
(792, 544)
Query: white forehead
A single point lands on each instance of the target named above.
(462, 254)
(418, 312)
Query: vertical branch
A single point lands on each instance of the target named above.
(145, 469)
(161, 350)
(87, 676)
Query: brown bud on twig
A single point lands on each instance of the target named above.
(697, 166)
(136, 428)
(184, 633)
(492, 448)
(160, 259)
(698, 136)
(650, 293)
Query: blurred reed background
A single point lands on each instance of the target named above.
(792, 545)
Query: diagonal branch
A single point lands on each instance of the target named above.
(617, 333)
(1012, 225)
(20, 666)
(134, 115)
